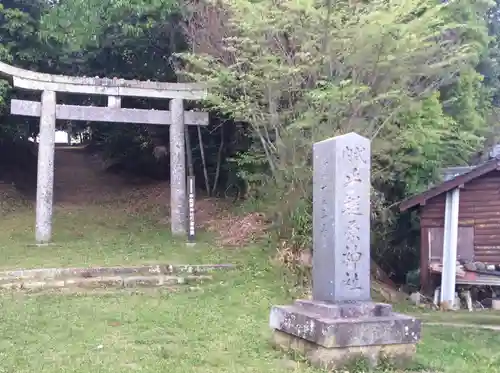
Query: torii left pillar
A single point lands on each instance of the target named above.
(178, 205)
(45, 170)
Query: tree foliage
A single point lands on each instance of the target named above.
(420, 78)
(301, 71)
(19, 44)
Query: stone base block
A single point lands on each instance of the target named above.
(396, 355)
(46, 244)
(332, 334)
(346, 324)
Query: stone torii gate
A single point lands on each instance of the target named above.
(48, 111)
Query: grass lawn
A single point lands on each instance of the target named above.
(221, 329)
(97, 235)
(480, 317)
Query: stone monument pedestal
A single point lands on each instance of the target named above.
(333, 335)
(341, 325)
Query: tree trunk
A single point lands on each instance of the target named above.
(203, 160)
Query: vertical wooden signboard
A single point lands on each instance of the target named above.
(191, 202)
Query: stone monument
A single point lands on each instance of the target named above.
(341, 324)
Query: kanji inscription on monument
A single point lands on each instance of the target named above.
(341, 219)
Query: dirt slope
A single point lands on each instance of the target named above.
(80, 179)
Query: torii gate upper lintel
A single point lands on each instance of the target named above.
(49, 111)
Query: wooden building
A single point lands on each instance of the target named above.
(476, 226)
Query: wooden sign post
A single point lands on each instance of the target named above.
(191, 202)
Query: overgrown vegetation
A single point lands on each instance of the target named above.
(418, 77)
(400, 73)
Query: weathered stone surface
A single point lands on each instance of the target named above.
(341, 219)
(345, 332)
(145, 281)
(57, 284)
(95, 282)
(105, 282)
(36, 285)
(178, 206)
(107, 114)
(101, 86)
(397, 355)
(345, 310)
(152, 281)
(157, 269)
(45, 168)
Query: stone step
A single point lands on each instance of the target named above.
(174, 289)
(105, 282)
(120, 271)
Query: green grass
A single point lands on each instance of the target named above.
(100, 236)
(224, 328)
(480, 317)
(459, 350)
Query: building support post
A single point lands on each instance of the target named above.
(177, 168)
(45, 171)
(450, 243)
